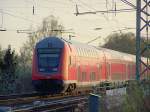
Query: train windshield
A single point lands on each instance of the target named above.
(48, 60)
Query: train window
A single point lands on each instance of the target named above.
(83, 52)
(108, 71)
(69, 60)
(131, 71)
(91, 53)
(99, 70)
(86, 53)
(42, 51)
(92, 76)
(131, 67)
(73, 60)
(116, 76)
(83, 76)
(79, 74)
(48, 60)
(94, 53)
(79, 52)
(48, 55)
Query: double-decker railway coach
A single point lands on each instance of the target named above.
(60, 65)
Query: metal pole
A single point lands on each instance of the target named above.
(138, 36)
(94, 103)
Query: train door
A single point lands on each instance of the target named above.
(123, 71)
(108, 77)
(130, 71)
(72, 68)
(93, 74)
(103, 72)
(82, 74)
(99, 76)
(126, 74)
(78, 74)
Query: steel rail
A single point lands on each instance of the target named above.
(8, 100)
(51, 105)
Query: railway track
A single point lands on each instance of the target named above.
(52, 105)
(37, 102)
(24, 102)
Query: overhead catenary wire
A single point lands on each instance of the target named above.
(20, 17)
(93, 40)
(124, 29)
(1, 11)
(93, 10)
(122, 10)
(67, 4)
(128, 3)
(108, 11)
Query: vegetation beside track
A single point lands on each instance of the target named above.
(136, 99)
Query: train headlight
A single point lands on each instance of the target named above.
(54, 69)
(41, 69)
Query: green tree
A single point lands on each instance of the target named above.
(1, 61)
(8, 71)
(50, 27)
(124, 42)
(134, 100)
(121, 42)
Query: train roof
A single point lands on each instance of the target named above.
(50, 42)
(110, 54)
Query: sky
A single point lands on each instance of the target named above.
(18, 15)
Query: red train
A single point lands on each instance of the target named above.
(60, 65)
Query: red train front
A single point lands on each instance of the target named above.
(48, 72)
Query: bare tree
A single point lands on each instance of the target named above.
(50, 27)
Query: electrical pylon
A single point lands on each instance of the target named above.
(142, 27)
